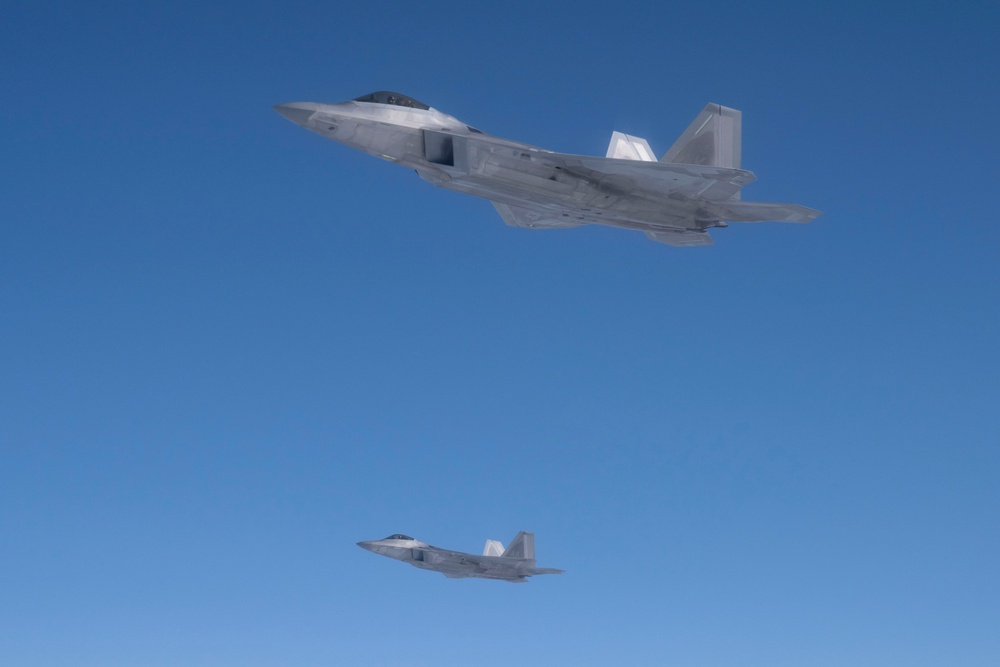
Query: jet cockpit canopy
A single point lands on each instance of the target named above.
(399, 536)
(386, 97)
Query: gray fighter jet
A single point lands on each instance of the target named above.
(514, 564)
(694, 187)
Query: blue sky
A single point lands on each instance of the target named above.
(231, 349)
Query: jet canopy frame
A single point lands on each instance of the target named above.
(395, 99)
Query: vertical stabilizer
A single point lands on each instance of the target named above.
(627, 147)
(493, 548)
(713, 139)
(522, 546)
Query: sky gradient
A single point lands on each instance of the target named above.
(232, 349)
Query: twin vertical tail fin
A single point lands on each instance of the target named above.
(626, 147)
(493, 548)
(522, 546)
(713, 139)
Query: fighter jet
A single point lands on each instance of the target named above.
(675, 200)
(514, 564)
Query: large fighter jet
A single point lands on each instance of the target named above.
(694, 187)
(514, 564)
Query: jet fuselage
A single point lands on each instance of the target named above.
(458, 565)
(673, 202)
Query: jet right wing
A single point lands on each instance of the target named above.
(630, 171)
(689, 180)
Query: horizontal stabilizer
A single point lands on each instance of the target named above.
(626, 147)
(522, 546)
(759, 211)
(713, 139)
(493, 548)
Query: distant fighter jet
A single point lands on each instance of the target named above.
(514, 564)
(694, 187)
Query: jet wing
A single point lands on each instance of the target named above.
(717, 189)
(702, 181)
(759, 211)
(522, 216)
(689, 180)
(680, 238)
(437, 554)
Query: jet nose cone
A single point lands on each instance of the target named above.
(297, 112)
(366, 545)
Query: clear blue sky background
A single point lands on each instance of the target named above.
(231, 349)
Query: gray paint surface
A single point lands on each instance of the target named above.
(514, 564)
(694, 187)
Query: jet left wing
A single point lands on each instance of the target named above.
(759, 211)
(680, 238)
(522, 216)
